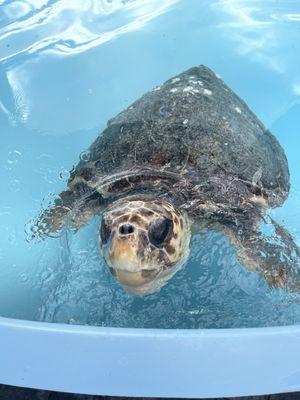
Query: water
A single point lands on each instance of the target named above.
(65, 69)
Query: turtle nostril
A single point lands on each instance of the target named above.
(126, 229)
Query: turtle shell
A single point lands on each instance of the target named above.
(194, 123)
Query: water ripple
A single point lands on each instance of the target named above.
(68, 27)
(262, 30)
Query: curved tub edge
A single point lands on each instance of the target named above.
(150, 362)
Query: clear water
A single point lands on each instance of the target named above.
(66, 67)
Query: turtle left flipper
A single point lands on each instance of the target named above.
(276, 256)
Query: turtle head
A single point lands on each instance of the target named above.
(144, 243)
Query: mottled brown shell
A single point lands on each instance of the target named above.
(194, 126)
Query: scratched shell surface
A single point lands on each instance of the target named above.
(193, 122)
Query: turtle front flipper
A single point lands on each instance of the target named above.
(72, 210)
(275, 256)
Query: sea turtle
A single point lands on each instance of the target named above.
(188, 155)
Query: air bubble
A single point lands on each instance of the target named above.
(85, 155)
(12, 237)
(14, 185)
(64, 175)
(23, 277)
(14, 157)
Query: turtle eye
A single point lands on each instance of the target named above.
(159, 229)
(105, 231)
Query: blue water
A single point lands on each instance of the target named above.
(66, 67)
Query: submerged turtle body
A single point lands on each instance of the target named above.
(195, 127)
(190, 152)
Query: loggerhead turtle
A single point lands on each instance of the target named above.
(188, 155)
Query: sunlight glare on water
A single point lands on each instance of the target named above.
(66, 68)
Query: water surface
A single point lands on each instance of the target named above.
(66, 67)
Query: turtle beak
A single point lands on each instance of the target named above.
(126, 268)
(135, 278)
(122, 255)
(124, 263)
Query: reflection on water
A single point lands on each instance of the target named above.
(68, 27)
(67, 67)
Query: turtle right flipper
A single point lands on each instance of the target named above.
(72, 210)
(276, 257)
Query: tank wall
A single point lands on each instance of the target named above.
(149, 363)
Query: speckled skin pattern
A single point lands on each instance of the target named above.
(138, 264)
(193, 141)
